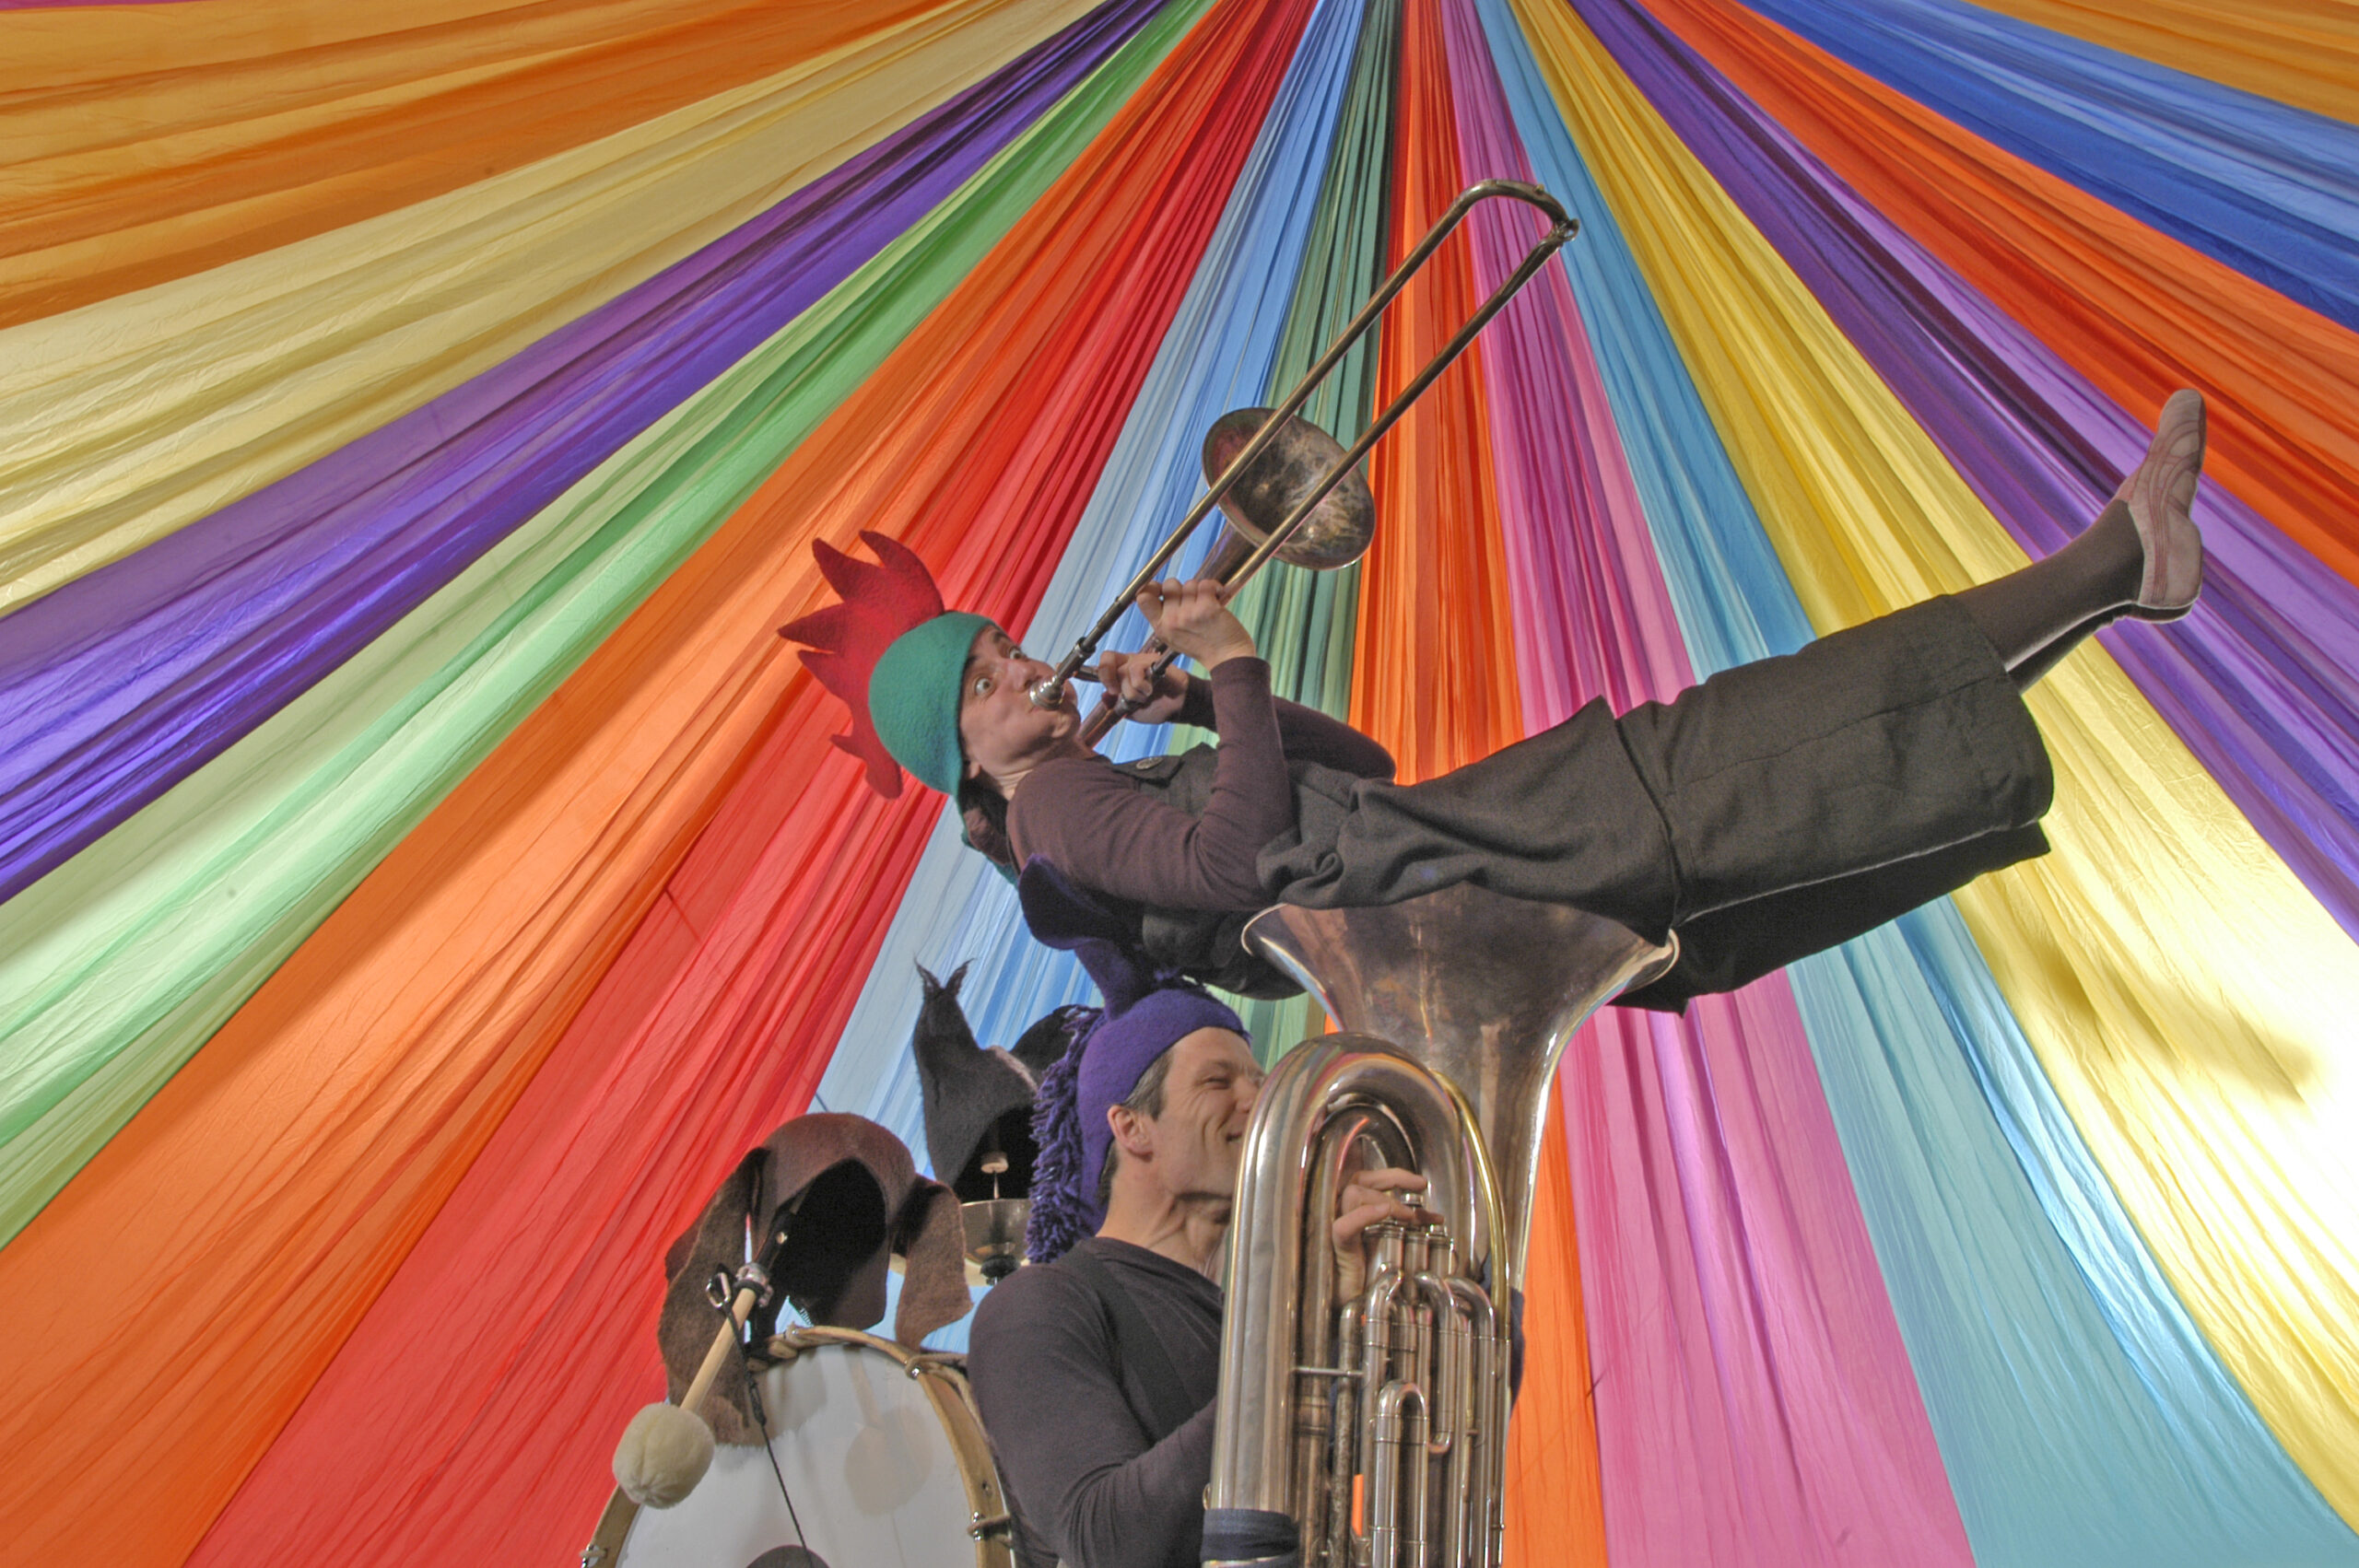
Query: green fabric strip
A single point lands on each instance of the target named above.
(118, 966)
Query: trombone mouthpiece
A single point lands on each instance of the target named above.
(1049, 693)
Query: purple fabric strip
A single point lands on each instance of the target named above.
(122, 682)
(2262, 682)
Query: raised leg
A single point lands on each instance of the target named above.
(2142, 557)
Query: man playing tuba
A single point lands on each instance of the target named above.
(1096, 1373)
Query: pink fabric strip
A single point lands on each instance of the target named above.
(1755, 1402)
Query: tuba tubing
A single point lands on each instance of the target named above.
(1254, 1446)
(1459, 1003)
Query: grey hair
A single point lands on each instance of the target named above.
(1146, 1100)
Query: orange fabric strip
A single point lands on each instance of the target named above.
(1556, 1492)
(1433, 657)
(1434, 679)
(270, 1192)
(2136, 313)
(73, 45)
(135, 169)
(471, 1415)
(2297, 52)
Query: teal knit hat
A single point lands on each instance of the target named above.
(895, 657)
(913, 697)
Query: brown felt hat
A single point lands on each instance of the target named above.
(862, 1203)
(978, 1100)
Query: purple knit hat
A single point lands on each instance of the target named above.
(1148, 1011)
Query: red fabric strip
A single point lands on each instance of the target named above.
(459, 1245)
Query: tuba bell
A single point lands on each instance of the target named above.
(1370, 1433)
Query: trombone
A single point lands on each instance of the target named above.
(1261, 457)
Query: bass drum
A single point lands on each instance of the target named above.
(881, 1450)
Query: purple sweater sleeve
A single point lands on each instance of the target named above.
(1098, 828)
(1305, 734)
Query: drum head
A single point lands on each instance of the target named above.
(880, 1465)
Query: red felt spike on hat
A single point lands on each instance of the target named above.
(844, 641)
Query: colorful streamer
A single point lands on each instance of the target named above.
(1914, 1126)
(716, 616)
(1216, 355)
(2297, 52)
(1776, 1325)
(2265, 189)
(142, 414)
(1435, 679)
(252, 124)
(2149, 861)
(2135, 312)
(128, 961)
(423, 869)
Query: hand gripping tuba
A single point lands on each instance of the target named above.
(1373, 1432)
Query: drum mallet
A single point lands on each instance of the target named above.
(666, 1448)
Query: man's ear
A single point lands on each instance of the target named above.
(1132, 1133)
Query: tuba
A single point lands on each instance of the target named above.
(1370, 1433)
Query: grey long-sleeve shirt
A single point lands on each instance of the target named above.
(1067, 1430)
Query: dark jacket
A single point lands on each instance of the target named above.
(1779, 808)
(1092, 1481)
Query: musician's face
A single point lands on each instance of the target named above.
(999, 728)
(1197, 1144)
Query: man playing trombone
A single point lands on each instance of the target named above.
(1774, 811)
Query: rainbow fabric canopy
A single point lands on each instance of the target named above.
(425, 870)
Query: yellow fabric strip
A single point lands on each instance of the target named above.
(2297, 52)
(2192, 1002)
(135, 417)
(150, 167)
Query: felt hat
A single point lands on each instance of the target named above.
(979, 1100)
(1148, 1011)
(862, 1203)
(895, 657)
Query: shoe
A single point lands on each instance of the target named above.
(2161, 495)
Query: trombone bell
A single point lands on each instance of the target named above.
(1339, 529)
(1297, 477)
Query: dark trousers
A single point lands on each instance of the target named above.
(1772, 812)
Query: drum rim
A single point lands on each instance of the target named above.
(943, 1375)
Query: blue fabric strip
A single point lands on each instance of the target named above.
(2270, 190)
